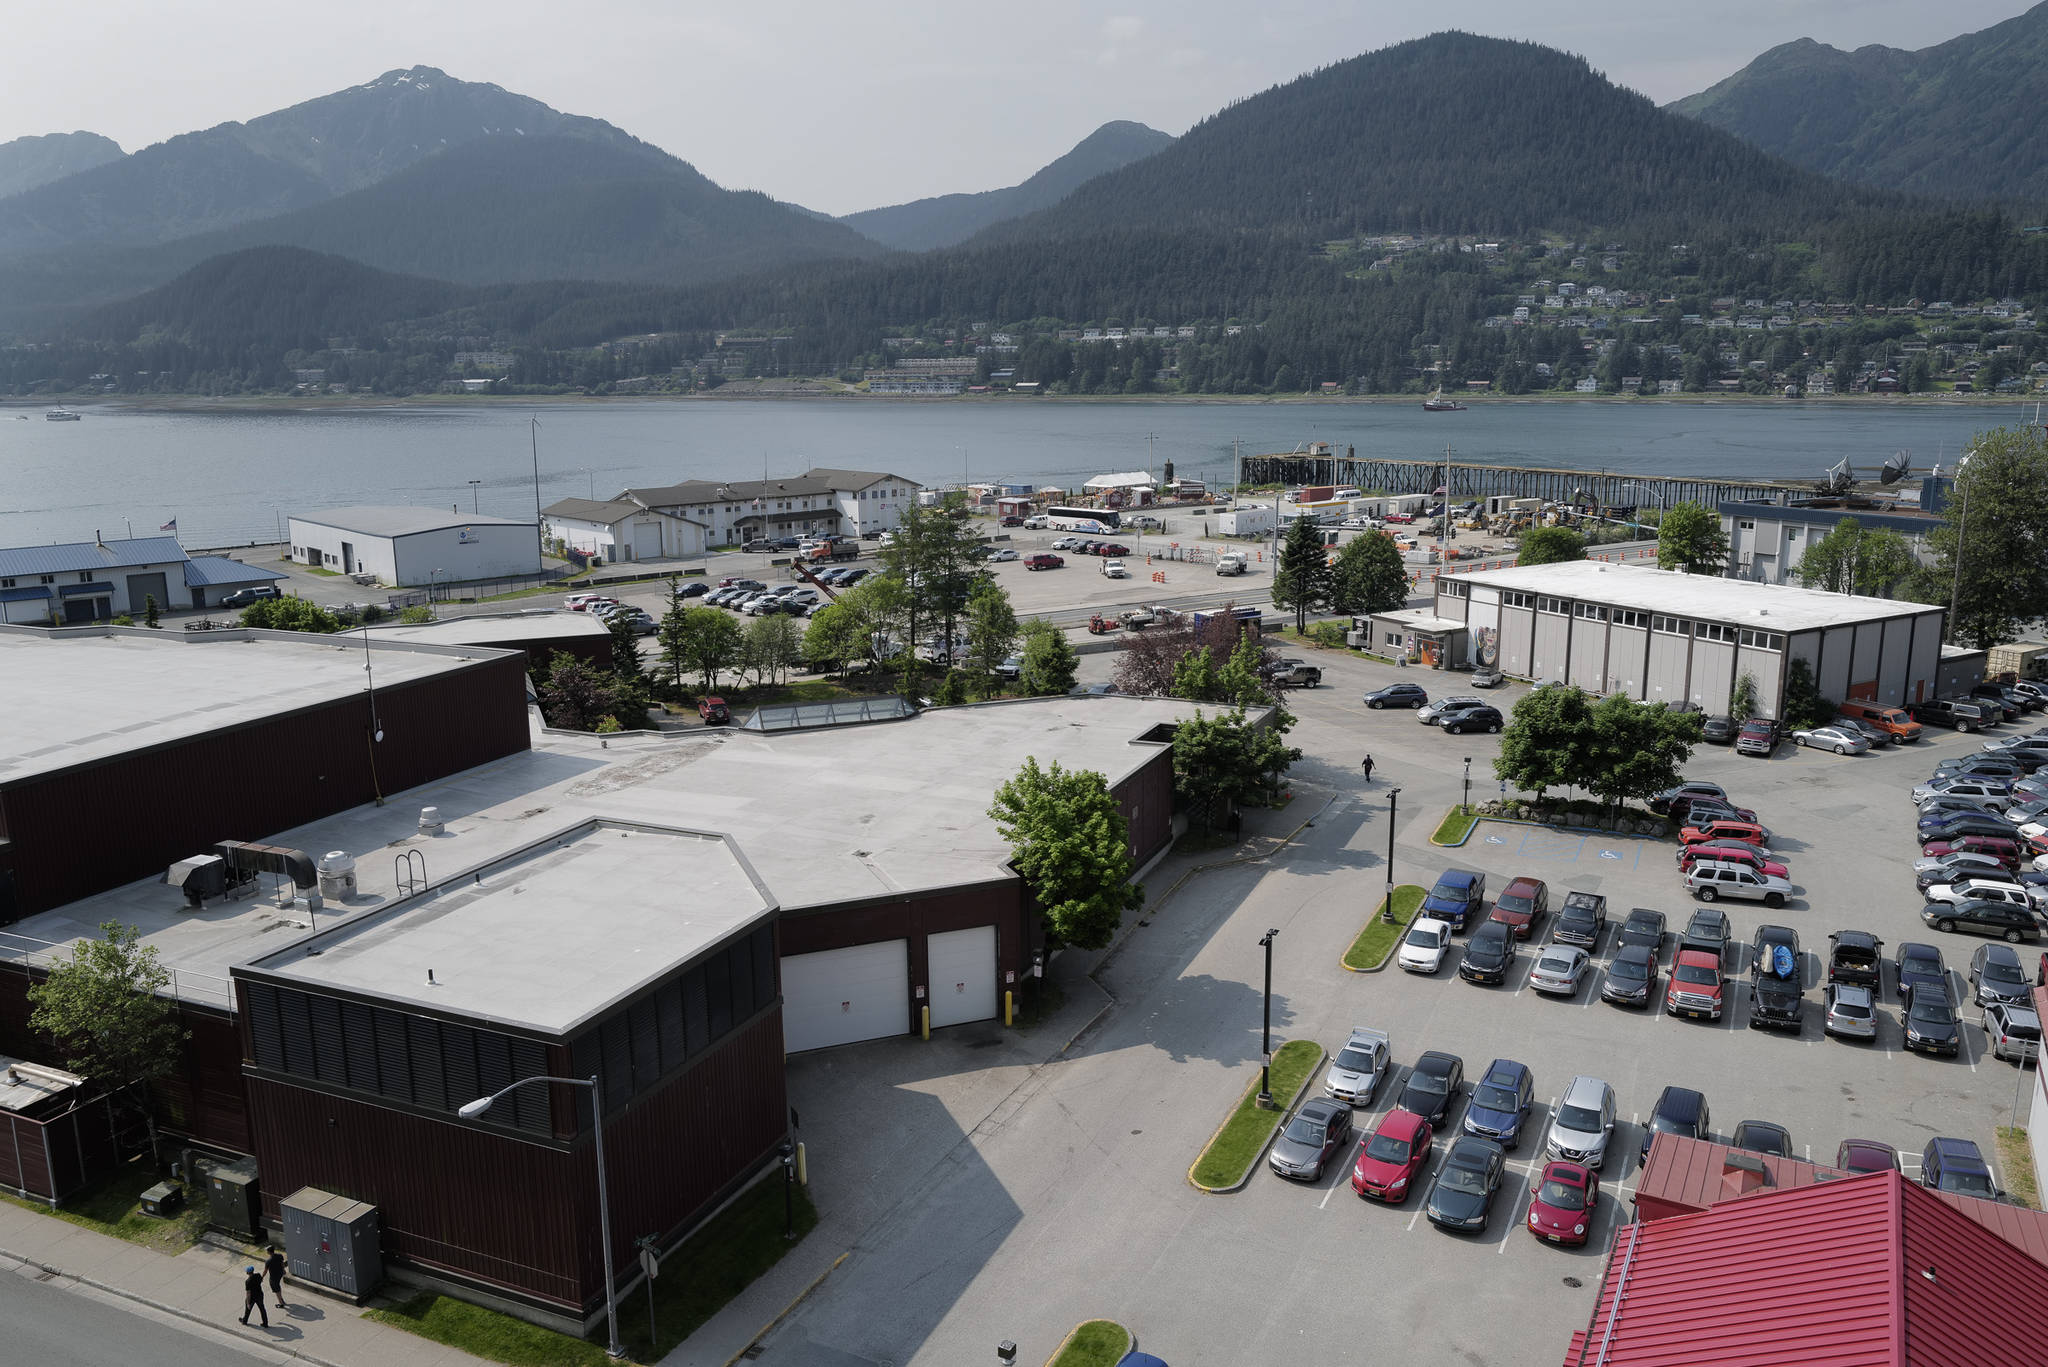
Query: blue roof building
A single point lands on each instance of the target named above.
(93, 581)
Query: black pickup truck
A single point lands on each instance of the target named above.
(1856, 957)
(1581, 919)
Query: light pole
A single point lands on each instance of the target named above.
(472, 1109)
(1467, 804)
(1955, 587)
(1266, 1043)
(788, 1155)
(474, 510)
(1387, 911)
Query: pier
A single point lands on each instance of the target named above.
(1602, 488)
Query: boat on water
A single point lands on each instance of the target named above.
(1437, 403)
(61, 415)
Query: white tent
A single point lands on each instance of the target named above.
(1136, 479)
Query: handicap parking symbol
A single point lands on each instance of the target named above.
(1495, 840)
(1610, 854)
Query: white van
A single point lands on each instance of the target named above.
(1037, 522)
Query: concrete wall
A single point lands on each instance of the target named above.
(485, 551)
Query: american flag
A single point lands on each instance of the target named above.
(170, 526)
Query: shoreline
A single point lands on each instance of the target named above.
(363, 403)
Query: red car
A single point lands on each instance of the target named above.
(1390, 1161)
(1696, 986)
(1743, 832)
(1112, 548)
(1730, 852)
(1012, 521)
(1567, 1199)
(1399, 517)
(1997, 846)
(1521, 904)
(1043, 561)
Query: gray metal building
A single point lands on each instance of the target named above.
(1660, 636)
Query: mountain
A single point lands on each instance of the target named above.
(1946, 120)
(283, 161)
(28, 162)
(947, 219)
(1451, 133)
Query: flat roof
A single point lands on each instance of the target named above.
(1422, 619)
(546, 938)
(489, 629)
(824, 817)
(395, 520)
(78, 695)
(1771, 607)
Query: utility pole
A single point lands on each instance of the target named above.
(539, 561)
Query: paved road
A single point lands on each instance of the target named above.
(52, 1327)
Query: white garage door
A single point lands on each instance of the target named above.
(838, 996)
(647, 541)
(963, 975)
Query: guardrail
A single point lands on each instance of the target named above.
(27, 953)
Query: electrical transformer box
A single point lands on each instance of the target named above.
(332, 1241)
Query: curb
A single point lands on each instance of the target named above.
(1453, 844)
(783, 1314)
(1387, 957)
(1569, 830)
(1129, 1333)
(1244, 1179)
(161, 1307)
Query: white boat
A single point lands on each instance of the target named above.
(1437, 403)
(61, 415)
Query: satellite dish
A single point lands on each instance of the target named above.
(1894, 469)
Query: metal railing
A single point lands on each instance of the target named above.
(186, 985)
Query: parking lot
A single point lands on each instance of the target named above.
(1093, 1159)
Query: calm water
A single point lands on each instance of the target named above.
(230, 478)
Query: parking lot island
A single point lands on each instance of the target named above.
(1227, 1161)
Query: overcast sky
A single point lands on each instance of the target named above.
(849, 106)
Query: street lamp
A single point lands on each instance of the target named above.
(1955, 587)
(1266, 1069)
(472, 1109)
(473, 487)
(1468, 786)
(1393, 799)
(788, 1155)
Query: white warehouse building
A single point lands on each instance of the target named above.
(415, 547)
(1660, 636)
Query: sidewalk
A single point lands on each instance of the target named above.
(201, 1291)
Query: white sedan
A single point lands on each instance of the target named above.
(1434, 712)
(1559, 968)
(1067, 543)
(1839, 739)
(1114, 569)
(1424, 947)
(1002, 553)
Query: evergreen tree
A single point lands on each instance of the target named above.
(1049, 659)
(991, 631)
(1302, 581)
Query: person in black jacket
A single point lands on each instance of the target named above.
(252, 1296)
(273, 1267)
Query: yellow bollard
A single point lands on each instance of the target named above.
(926, 1013)
(1009, 1003)
(803, 1171)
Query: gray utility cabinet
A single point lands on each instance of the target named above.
(234, 1198)
(331, 1241)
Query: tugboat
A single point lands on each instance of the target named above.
(61, 415)
(1437, 403)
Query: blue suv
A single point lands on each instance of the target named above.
(1458, 894)
(1957, 1165)
(1500, 1102)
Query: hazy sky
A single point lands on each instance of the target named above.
(849, 106)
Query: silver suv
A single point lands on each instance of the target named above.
(1712, 878)
(1583, 1123)
(1851, 1012)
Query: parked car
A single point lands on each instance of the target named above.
(1480, 718)
(1866, 1155)
(2014, 1032)
(1894, 721)
(1002, 554)
(1957, 1165)
(695, 588)
(1869, 730)
(1708, 929)
(1748, 832)
(1835, 738)
(2016, 925)
(2005, 846)
(1679, 1110)
(1851, 1012)
(1432, 1085)
(1997, 977)
(1757, 737)
(1949, 825)
(1582, 1123)
(1461, 1198)
(1486, 676)
(1981, 765)
(1984, 889)
(1559, 969)
(1661, 802)
(1433, 713)
(1424, 946)
(1456, 897)
(1988, 795)
(1730, 852)
(1777, 980)
(713, 711)
(1915, 967)
(1696, 986)
(1115, 569)
(1012, 667)
(1718, 730)
(1293, 674)
(1390, 1160)
(1948, 868)
(1643, 927)
(1521, 906)
(1489, 954)
(1631, 977)
(1398, 695)
(1931, 1026)
(1043, 561)
(1697, 811)
(1320, 1127)
(1711, 878)
(1963, 716)
(758, 546)
(1856, 956)
(1354, 1075)
(1566, 1200)
(1580, 919)
(1501, 1102)
(1762, 1136)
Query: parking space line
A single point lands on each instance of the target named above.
(1325, 1202)
(1592, 989)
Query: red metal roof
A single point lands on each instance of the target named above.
(1830, 1275)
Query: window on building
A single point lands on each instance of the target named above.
(1451, 588)
(1590, 612)
(1517, 600)
(1670, 626)
(1712, 631)
(1626, 617)
(1556, 606)
(1747, 526)
(1792, 533)
(6, 583)
(46, 579)
(1763, 640)
(85, 576)
(1393, 639)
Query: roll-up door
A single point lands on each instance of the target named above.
(963, 975)
(837, 996)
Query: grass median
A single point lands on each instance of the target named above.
(1377, 940)
(1456, 825)
(1094, 1343)
(1231, 1152)
(698, 1278)
(2018, 1162)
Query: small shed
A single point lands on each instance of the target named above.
(56, 1140)
(1413, 635)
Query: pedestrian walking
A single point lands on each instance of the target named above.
(273, 1266)
(252, 1296)
(1366, 765)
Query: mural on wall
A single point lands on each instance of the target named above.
(1489, 646)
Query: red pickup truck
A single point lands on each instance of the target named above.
(1695, 989)
(1043, 561)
